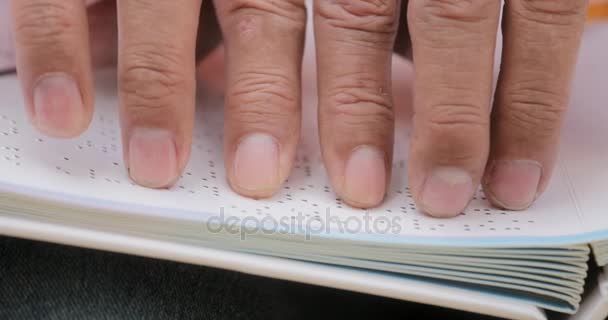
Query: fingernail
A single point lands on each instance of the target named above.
(256, 163)
(514, 184)
(446, 192)
(58, 106)
(365, 177)
(152, 157)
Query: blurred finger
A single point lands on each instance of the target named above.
(211, 72)
(54, 64)
(103, 28)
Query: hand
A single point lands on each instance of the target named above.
(453, 47)
(58, 41)
(458, 139)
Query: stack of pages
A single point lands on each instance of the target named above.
(486, 260)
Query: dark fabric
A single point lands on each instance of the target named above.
(47, 281)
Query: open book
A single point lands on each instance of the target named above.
(507, 264)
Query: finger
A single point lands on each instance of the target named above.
(157, 41)
(355, 42)
(211, 72)
(103, 29)
(541, 41)
(453, 52)
(210, 55)
(53, 62)
(264, 44)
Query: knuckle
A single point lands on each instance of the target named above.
(151, 79)
(458, 133)
(248, 18)
(45, 23)
(284, 8)
(382, 11)
(534, 111)
(261, 117)
(453, 24)
(376, 17)
(357, 100)
(439, 12)
(458, 150)
(263, 97)
(363, 114)
(553, 11)
(455, 117)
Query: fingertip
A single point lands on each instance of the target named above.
(58, 108)
(513, 184)
(365, 177)
(152, 158)
(53, 63)
(255, 166)
(446, 192)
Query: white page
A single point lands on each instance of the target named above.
(33, 163)
(89, 171)
(585, 140)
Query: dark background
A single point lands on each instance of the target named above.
(48, 281)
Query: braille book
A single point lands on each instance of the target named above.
(486, 260)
